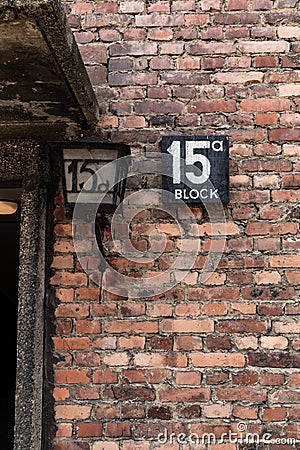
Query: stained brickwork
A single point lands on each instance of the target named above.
(202, 357)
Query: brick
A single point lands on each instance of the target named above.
(134, 122)
(69, 279)
(87, 393)
(210, 5)
(244, 412)
(265, 61)
(81, 8)
(272, 379)
(293, 276)
(72, 343)
(132, 342)
(286, 196)
(159, 359)
(89, 429)
(243, 78)
(248, 342)
(183, 394)
(218, 343)
(289, 90)
(180, 5)
(184, 78)
(245, 378)
(284, 134)
(188, 343)
(88, 326)
(264, 47)
(265, 228)
(241, 394)
(106, 7)
(133, 376)
(94, 53)
(214, 309)
(64, 430)
(186, 326)
(285, 261)
(118, 429)
(72, 310)
(285, 396)
(274, 359)
(104, 376)
(274, 342)
(213, 63)
(61, 394)
(217, 411)
(268, 277)
(243, 326)
(132, 79)
(134, 34)
(212, 33)
(274, 414)
(262, 5)
(291, 150)
(196, 19)
(132, 7)
(217, 359)
(71, 412)
(290, 119)
(295, 379)
(137, 393)
(103, 445)
(116, 359)
(159, 20)
(165, 107)
(265, 105)
(213, 293)
(235, 5)
(265, 244)
(216, 229)
(161, 35)
(288, 32)
(291, 180)
(109, 35)
(234, 18)
(212, 48)
(160, 343)
(217, 377)
(71, 376)
(212, 106)
(65, 295)
(286, 327)
(131, 326)
(188, 63)
(243, 308)
(97, 75)
(264, 293)
(247, 135)
(264, 119)
(188, 378)
(133, 48)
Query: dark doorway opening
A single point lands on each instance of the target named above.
(9, 271)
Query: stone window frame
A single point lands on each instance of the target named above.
(26, 162)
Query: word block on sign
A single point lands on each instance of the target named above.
(195, 169)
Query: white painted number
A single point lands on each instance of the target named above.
(174, 149)
(191, 159)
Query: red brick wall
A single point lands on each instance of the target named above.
(201, 358)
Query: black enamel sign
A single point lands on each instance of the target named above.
(195, 169)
